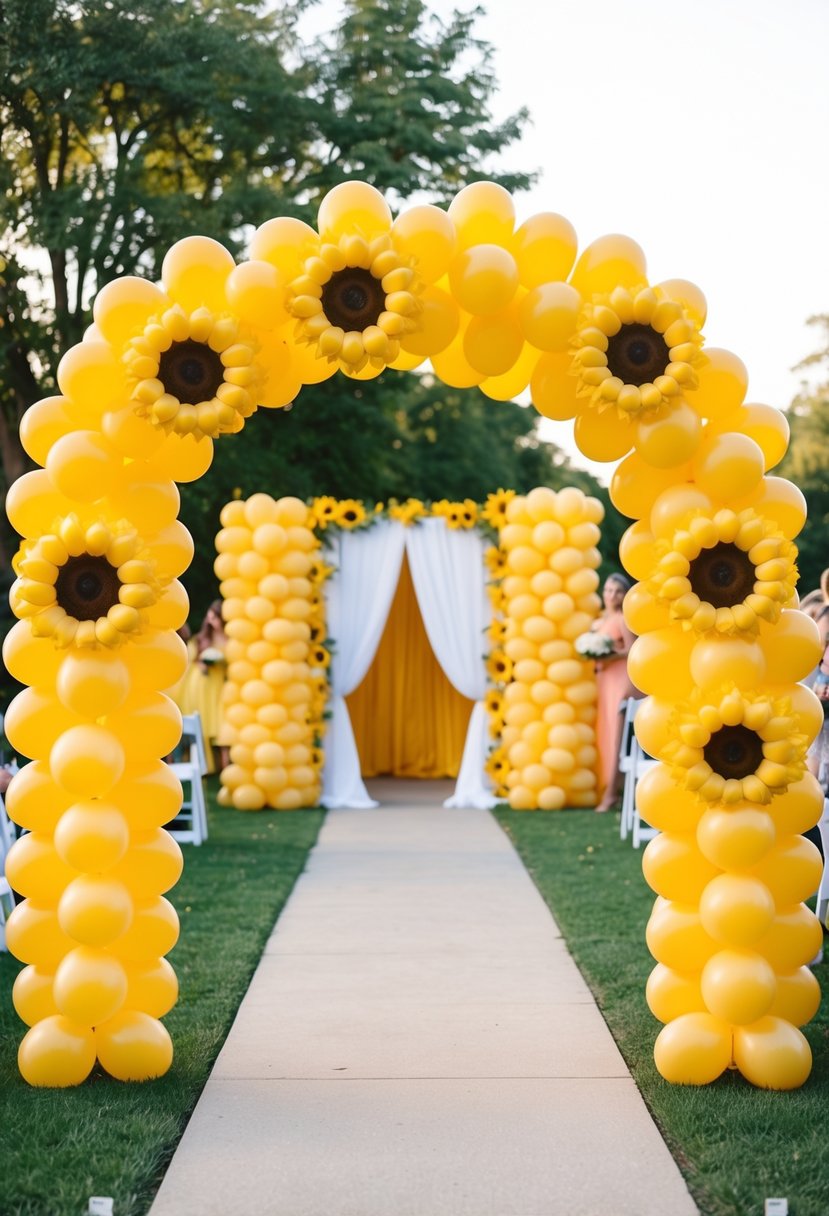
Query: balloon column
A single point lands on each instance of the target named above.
(167, 368)
(267, 553)
(547, 758)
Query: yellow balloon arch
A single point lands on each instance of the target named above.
(167, 368)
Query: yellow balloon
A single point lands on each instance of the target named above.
(87, 760)
(195, 271)
(603, 436)
(674, 507)
(130, 435)
(544, 248)
(670, 994)
(553, 389)
(635, 485)
(736, 839)
(736, 909)
(437, 324)
(728, 466)
(43, 424)
(767, 426)
(34, 722)
(778, 500)
(57, 1053)
(609, 262)
(652, 725)
(32, 995)
(670, 438)
(637, 552)
(694, 1049)
(513, 382)
(92, 685)
(797, 999)
(659, 663)
(123, 307)
(738, 986)
(93, 377)
(722, 383)
(284, 242)
(256, 293)
(792, 648)
(34, 800)
(799, 807)
(157, 658)
(35, 870)
(33, 503)
(95, 909)
(791, 870)
(148, 726)
(152, 933)
(152, 865)
(717, 661)
(549, 313)
(92, 835)
(793, 939)
(426, 234)
(492, 344)
(674, 867)
(34, 935)
(353, 208)
(90, 986)
(452, 366)
(676, 937)
(772, 1054)
(183, 458)
(82, 465)
(132, 1046)
(643, 613)
(29, 659)
(483, 212)
(150, 502)
(687, 294)
(149, 795)
(151, 987)
(483, 279)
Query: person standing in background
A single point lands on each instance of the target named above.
(204, 681)
(614, 686)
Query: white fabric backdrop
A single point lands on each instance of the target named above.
(447, 568)
(358, 599)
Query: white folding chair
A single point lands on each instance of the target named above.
(640, 764)
(190, 825)
(6, 898)
(822, 905)
(628, 709)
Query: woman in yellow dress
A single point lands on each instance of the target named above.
(202, 691)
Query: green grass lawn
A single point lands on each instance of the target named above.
(735, 1144)
(106, 1138)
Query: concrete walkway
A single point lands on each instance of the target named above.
(418, 1042)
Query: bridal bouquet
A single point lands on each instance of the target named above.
(211, 655)
(594, 645)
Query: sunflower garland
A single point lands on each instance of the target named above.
(494, 510)
(747, 747)
(725, 572)
(85, 585)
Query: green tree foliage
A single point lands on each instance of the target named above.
(807, 461)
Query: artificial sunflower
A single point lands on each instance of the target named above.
(499, 667)
(320, 656)
(84, 585)
(442, 507)
(497, 631)
(495, 560)
(324, 511)
(407, 512)
(497, 767)
(635, 350)
(319, 572)
(193, 373)
(353, 300)
(745, 748)
(494, 510)
(350, 514)
(494, 701)
(725, 572)
(496, 596)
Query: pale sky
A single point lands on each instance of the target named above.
(699, 129)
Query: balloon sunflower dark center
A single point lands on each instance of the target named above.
(734, 751)
(353, 298)
(190, 371)
(637, 354)
(723, 576)
(87, 587)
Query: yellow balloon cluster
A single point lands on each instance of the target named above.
(98, 598)
(547, 711)
(269, 566)
(720, 655)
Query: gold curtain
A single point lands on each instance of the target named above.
(408, 719)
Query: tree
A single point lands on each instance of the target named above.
(127, 124)
(806, 462)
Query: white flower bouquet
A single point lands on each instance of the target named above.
(594, 645)
(210, 655)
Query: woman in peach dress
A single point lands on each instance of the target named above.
(614, 686)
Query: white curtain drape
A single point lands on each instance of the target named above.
(447, 568)
(358, 600)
